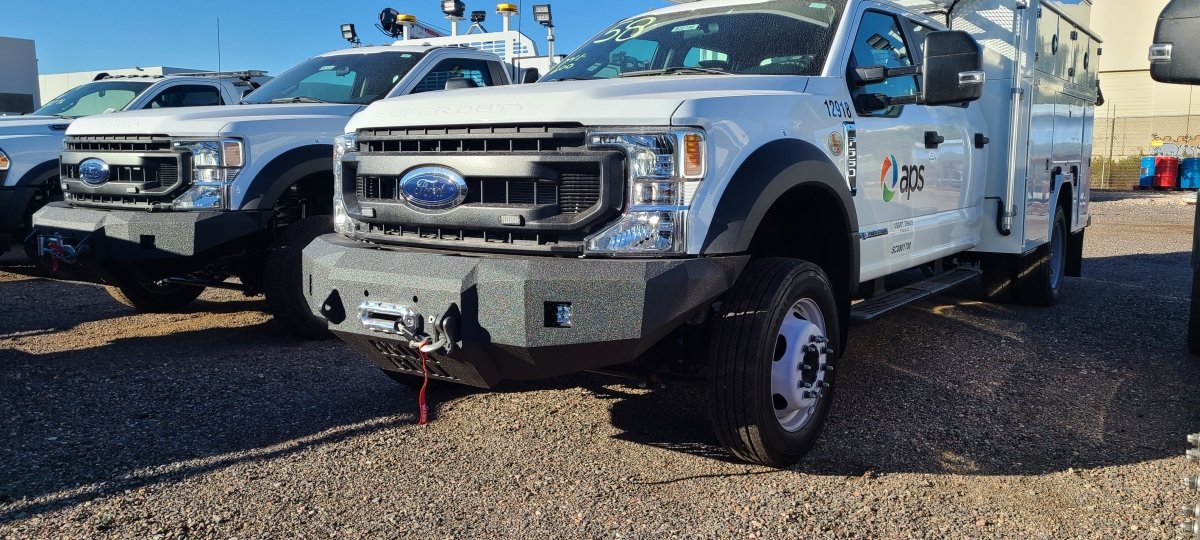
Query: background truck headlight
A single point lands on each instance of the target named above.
(215, 165)
(665, 170)
(341, 219)
(4, 162)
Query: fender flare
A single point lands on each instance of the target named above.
(39, 174)
(771, 171)
(285, 170)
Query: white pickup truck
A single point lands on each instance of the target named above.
(30, 144)
(746, 170)
(162, 204)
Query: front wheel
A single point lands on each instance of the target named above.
(153, 297)
(771, 364)
(283, 280)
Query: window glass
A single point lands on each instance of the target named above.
(186, 95)
(455, 68)
(355, 77)
(727, 37)
(94, 98)
(880, 42)
(919, 31)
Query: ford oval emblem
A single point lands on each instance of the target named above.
(93, 171)
(433, 188)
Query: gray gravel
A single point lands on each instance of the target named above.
(952, 418)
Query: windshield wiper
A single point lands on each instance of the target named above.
(297, 99)
(676, 70)
(572, 79)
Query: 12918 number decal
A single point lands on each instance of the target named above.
(838, 109)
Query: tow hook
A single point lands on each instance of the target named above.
(426, 334)
(59, 250)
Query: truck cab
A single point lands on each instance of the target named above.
(674, 178)
(30, 144)
(161, 204)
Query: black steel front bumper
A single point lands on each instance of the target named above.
(150, 245)
(504, 305)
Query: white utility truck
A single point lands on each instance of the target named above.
(734, 168)
(30, 144)
(162, 204)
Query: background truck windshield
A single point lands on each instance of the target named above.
(341, 78)
(93, 98)
(763, 38)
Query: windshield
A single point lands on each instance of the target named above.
(342, 78)
(784, 37)
(94, 98)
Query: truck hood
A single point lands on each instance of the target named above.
(636, 101)
(31, 125)
(206, 121)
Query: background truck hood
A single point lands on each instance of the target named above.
(206, 121)
(31, 125)
(636, 101)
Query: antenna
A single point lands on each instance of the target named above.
(218, 44)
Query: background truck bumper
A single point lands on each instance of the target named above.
(505, 306)
(156, 245)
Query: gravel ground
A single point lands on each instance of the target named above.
(953, 418)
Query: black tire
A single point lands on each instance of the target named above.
(153, 297)
(283, 280)
(742, 357)
(1040, 276)
(1034, 279)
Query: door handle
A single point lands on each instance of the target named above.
(933, 140)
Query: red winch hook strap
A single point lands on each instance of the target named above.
(423, 416)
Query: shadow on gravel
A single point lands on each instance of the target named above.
(956, 385)
(84, 424)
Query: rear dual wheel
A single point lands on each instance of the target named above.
(1035, 279)
(772, 361)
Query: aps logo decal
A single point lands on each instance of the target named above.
(904, 179)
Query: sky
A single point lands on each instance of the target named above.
(72, 35)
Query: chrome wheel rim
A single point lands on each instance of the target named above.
(799, 365)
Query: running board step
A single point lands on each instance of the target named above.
(873, 308)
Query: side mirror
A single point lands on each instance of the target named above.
(1175, 54)
(460, 82)
(951, 74)
(530, 75)
(952, 71)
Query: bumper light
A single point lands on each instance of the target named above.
(665, 170)
(4, 162)
(342, 145)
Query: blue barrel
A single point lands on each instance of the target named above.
(1146, 177)
(1189, 173)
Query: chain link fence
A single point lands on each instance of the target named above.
(1120, 143)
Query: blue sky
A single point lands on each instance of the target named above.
(255, 34)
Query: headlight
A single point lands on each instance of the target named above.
(215, 165)
(665, 170)
(4, 163)
(341, 219)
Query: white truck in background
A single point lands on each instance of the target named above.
(162, 204)
(30, 144)
(741, 169)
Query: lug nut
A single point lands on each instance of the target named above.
(1193, 454)
(1192, 482)
(1190, 510)
(1190, 528)
(1194, 439)
(826, 367)
(810, 348)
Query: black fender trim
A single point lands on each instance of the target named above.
(771, 171)
(12, 217)
(284, 171)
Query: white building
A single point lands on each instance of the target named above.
(18, 76)
(54, 84)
